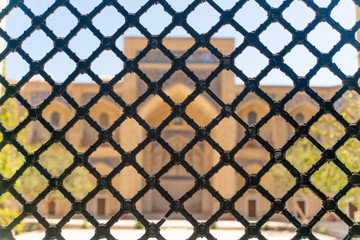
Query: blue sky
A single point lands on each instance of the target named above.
(251, 62)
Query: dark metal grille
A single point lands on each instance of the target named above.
(201, 229)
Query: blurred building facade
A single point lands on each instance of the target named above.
(178, 133)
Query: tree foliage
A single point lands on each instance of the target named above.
(56, 159)
(329, 178)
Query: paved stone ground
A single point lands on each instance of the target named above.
(171, 234)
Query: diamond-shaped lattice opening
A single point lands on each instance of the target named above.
(103, 206)
(251, 104)
(38, 6)
(199, 207)
(300, 59)
(105, 159)
(199, 113)
(14, 113)
(223, 181)
(335, 179)
(224, 133)
(278, 223)
(278, 137)
(11, 160)
(132, 6)
(156, 205)
(349, 154)
(31, 184)
(82, 135)
(10, 210)
(157, 155)
(119, 43)
(37, 45)
(58, 112)
(324, 37)
(346, 59)
(105, 112)
(275, 37)
(134, 133)
(276, 79)
(303, 154)
(252, 205)
(82, 50)
(178, 32)
(251, 61)
(155, 25)
(299, 15)
(141, 88)
(80, 182)
(56, 159)
(67, 19)
(347, 106)
(178, 86)
(54, 204)
(204, 57)
(67, 67)
(155, 64)
(43, 90)
(128, 189)
(325, 77)
(347, 21)
(178, 134)
(36, 135)
(321, 230)
(85, 8)
(250, 16)
(230, 32)
(301, 107)
(177, 181)
(250, 152)
(155, 112)
(19, 22)
(277, 181)
(275, 3)
(107, 65)
(350, 203)
(108, 21)
(303, 205)
(209, 17)
(327, 130)
(17, 66)
(195, 157)
(170, 229)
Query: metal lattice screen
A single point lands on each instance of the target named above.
(153, 134)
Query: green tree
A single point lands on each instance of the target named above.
(329, 178)
(56, 159)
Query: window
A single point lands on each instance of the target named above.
(101, 206)
(301, 206)
(52, 208)
(351, 210)
(104, 120)
(251, 208)
(252, 118)
(55, 119)
(300, 118)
